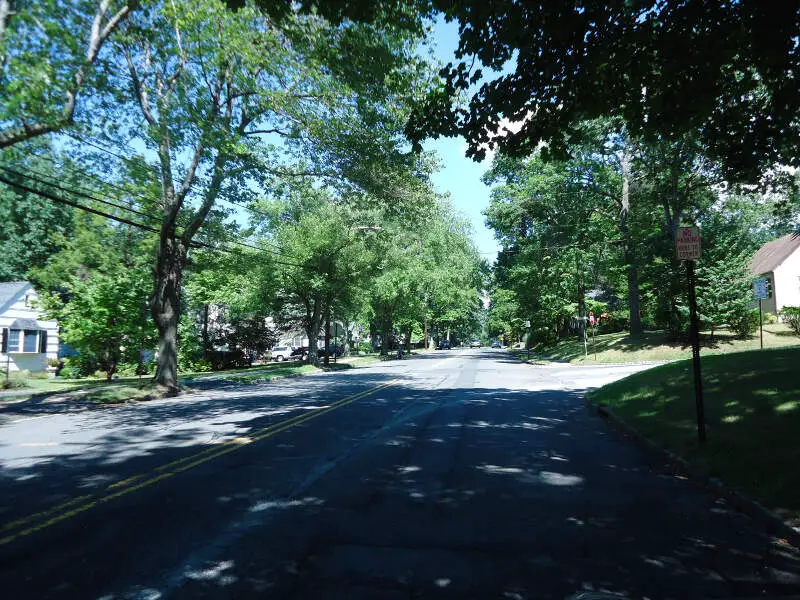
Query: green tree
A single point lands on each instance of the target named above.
(726, 70)
(104, 317)
(217, 87)
(325, 258)
(33, 227)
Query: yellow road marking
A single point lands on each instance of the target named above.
(81, 504)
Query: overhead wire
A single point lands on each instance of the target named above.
(130, 222)
(156, 171)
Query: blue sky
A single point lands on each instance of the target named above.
(461, 176)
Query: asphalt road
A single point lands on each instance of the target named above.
(454, 475)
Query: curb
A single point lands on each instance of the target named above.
(770, 520)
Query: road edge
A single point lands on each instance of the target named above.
(757, 511)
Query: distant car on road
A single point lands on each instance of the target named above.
(475, 344)
(496, 344)
(281, 353)
(444, 345)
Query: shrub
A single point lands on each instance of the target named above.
(743, 322)
(791, 316)
(769, 319)
(203, 366)
(71, 369)
(612, 323)
(14, 381)
(545, 336)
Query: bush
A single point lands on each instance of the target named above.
(134, 369)
(612, 323)
(14, 381)
(791, 316)
(769, 319)
(545, 336)
(743, 323)
(70, 372)
(203, 366)
(365, 346)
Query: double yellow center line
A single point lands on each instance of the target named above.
(75, 506)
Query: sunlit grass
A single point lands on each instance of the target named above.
(652, 346)
(752, 406)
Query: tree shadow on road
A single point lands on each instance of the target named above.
(408, 492)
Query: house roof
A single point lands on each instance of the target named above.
(773, 253)
(24, 324)
(10, 289)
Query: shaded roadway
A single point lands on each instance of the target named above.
(472, 476)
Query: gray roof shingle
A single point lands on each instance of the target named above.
(10, 289)
(773, 253)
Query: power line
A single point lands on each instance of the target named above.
(157, 172)
(125, 221)
(59, 200)
(63, 164)
(74, 192)
(150, 217)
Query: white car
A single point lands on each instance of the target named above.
(281, 353)
(475, 344)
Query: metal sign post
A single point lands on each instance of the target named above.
(760, 292)
(687, 247)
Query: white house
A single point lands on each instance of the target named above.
(28, 340)
(779, 261)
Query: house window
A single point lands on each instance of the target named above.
(27, 341)
(30, 342)
(13, 340)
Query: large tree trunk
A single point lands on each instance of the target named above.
(581, 300)
(387, 330)
(313, 325)
(206, 340)
(634, 307)
(408, 340)
(165, 307)
(327, 335)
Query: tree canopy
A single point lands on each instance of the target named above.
(726, 71)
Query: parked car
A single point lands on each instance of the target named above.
(300, 353)
(281, 353)
(444, 345)
(496, 344)
(335, 351)
(475, 344)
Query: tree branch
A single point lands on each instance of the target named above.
(98, 36)
(140, 90)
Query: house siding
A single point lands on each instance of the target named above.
(787, 281)
(16, 308)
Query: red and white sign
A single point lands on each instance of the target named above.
(687, 243)
(591, 318)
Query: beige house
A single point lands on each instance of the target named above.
(28, 339)
(779, 261)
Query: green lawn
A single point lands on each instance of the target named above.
(127, 388)
(653, 346)
(752, 402)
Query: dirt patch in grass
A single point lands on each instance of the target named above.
(752, 405)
